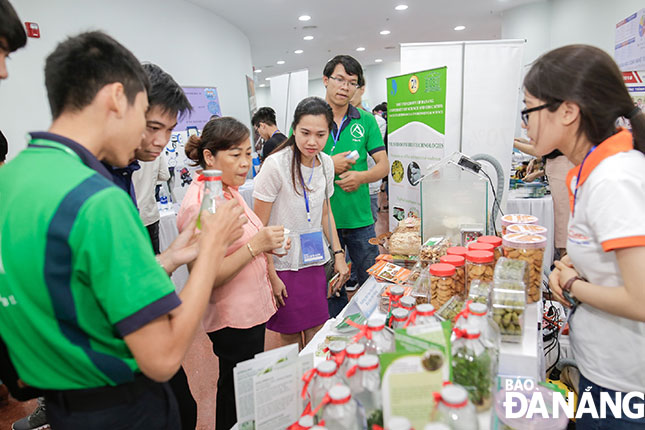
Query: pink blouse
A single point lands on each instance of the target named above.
(246, 300)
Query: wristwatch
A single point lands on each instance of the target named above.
(340, 251)
(566, 290)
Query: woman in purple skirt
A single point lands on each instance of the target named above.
(290, 191)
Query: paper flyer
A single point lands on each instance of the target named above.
(416, 135)
(629, 48)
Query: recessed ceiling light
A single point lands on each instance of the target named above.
(298, 51)
(263, 85)
(304, 18)
(385, 32)
(308, 38)
(378, 60)
(258, 70)
(267, 79)
(460, 27)
(280, 62)
(401, 7)
(360, 49)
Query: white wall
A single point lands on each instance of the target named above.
(554, 23)
(193, 44)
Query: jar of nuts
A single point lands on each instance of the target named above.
(508, 313)
(496, 241)
(529, 248)
(460, 271)
(442, 284)
(511, 219)
(479, 265)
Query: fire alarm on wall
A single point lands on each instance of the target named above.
(32, 30)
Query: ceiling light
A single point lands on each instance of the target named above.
(280, 62)
(378, 60)
(385, 32)
(298, 51)
(460, 27)
(267, 79)
(401, 7)
(258, 70)
(304, 18)
(308, 38)
(263, 85)
(360, 49)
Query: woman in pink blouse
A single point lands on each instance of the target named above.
(242, 300)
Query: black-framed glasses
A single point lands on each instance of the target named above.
(342, 82)
(525, 113)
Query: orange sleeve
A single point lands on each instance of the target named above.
(623, 242)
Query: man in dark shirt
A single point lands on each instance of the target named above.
(265, 124)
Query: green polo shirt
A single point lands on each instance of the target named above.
(359, 132)
(77, 270)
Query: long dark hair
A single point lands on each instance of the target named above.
(219, 134)
(588, 77)
(309, 106)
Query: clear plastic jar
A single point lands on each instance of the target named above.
(442, 284)
(399, 318)
(337, 351)
(408, 303)
(399, 423)
(381, 338)
(527, 228)
(511, 219)
(369, 394)
(509, 305)
(474, 366)
(460, 271)
(421, 290)
(341, 412)
(455, 410)
(324, 378)
(352, 353)
(529, 248)
(479, 265)
(496, 241)
(480, 292)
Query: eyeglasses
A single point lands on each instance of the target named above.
(342, 82)
(525, 113)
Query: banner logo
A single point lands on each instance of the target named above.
(357, 131)
(413, 84)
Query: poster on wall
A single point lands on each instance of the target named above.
(416, 136)
(629, 48)
(636, 87)
(253, 106)
(205, 102)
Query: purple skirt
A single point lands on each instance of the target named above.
(306, 306)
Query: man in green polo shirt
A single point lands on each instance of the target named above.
(353, 130)
(88, 315)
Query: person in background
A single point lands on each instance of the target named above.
(12, 35)
(291, 189)
(242, 300)
(93, 319)
(352, 129)
(4, 148)
(264, 123)
(574, 110)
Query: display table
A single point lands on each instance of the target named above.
(543, 209)
(523, 359)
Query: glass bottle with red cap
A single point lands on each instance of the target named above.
(325, 376)
(479, 265)
(442, 284)
(341, 412)
(454, 408)
(422, 315)
(368, 391)
(380, 338)
(477, 316)
(353, 352)
(212, 194)
(496, 241)
(399, 318)
(460, 271)
(399, 423)
(408, 303)
(337, 351)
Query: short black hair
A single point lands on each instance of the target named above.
(81, 65)
(4, 147)
(165, 92)
(10, 27)
(265, 115)
(351, 65)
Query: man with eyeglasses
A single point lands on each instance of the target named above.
(353, 130)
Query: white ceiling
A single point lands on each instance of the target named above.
(275, 32)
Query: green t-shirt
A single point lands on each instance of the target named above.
(77, 271)
(359, 132)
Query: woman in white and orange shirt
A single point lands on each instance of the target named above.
(573, 96)
(242, 300)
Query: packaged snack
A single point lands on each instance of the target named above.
(421, 290)
(433, 249)
(470, 233)
(496, 241)
(389, 272)
(450, 309)
(479, 292)
(479, 265)
(460, 271)
(511, 219)
(529, 248)
(508, 312)
(442, 284)
(508, 269)
(406, 239)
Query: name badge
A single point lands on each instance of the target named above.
(312, 246)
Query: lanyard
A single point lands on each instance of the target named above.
(304, 189)
(274, 133)
(337, 136)
(575, 193)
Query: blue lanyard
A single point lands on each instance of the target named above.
(575, 193)
(277, 131)
(337, 136)
(304, 190)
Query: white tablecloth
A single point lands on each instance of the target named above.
(541, 208)
(167, 233)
